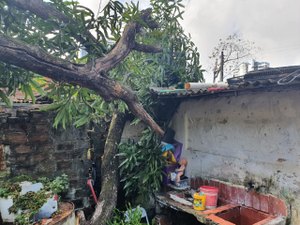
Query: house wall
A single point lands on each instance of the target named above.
(30, 145)
(253, 137)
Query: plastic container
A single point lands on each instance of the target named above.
(211, 194)
(5, 204)
(199, 201)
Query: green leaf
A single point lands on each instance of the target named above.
(82, 121)
(5, 99)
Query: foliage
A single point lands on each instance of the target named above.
(179, 61)
(57, 186)
(31, 202)
(133, 217)
(141, 165)
(236, 51)
(9, 189)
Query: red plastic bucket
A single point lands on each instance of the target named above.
(211, 194)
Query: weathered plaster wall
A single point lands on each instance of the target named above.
(132, 131)
(30, 145)
(239, 138)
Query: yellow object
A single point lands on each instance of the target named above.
(90, 154)
(199, 201)
(170, 156)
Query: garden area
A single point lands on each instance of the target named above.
(86, 78)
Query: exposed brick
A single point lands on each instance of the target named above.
(61, 155)
(2, 159)
(21, 158)
(43, 147)
(3, 118)
(68, 146)
(47, 168)
(34, 153)
(38, 115)
(39, 157)
(15, 120)
(16, 138)
(77, 153)
(17, 127)
(64, 165)
(42, 137)
(22, 113)
(42, 128)
(23, 149)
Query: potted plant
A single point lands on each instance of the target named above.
(26, 201)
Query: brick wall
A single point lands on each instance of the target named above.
(30, 145)
(2, 159)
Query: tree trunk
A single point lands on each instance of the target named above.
(109, 172)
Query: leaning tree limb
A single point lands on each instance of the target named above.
(90, 76)
(93, 76)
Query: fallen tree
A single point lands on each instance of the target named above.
(45, 38)
(91, 75)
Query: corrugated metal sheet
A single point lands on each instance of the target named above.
(280, 78)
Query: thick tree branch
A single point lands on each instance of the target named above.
(38, 61)
(126, 44)
(120, 51)
(39, 8)
(146, 48)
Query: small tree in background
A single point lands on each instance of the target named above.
(229, 54)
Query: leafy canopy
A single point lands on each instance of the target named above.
(179, 61)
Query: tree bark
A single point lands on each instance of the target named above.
(109, 169)
(93, 76)
(36, 60)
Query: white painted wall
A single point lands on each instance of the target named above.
(255, 135)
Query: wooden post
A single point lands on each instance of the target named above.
(222, 67)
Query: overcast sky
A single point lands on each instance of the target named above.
(274, 26)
